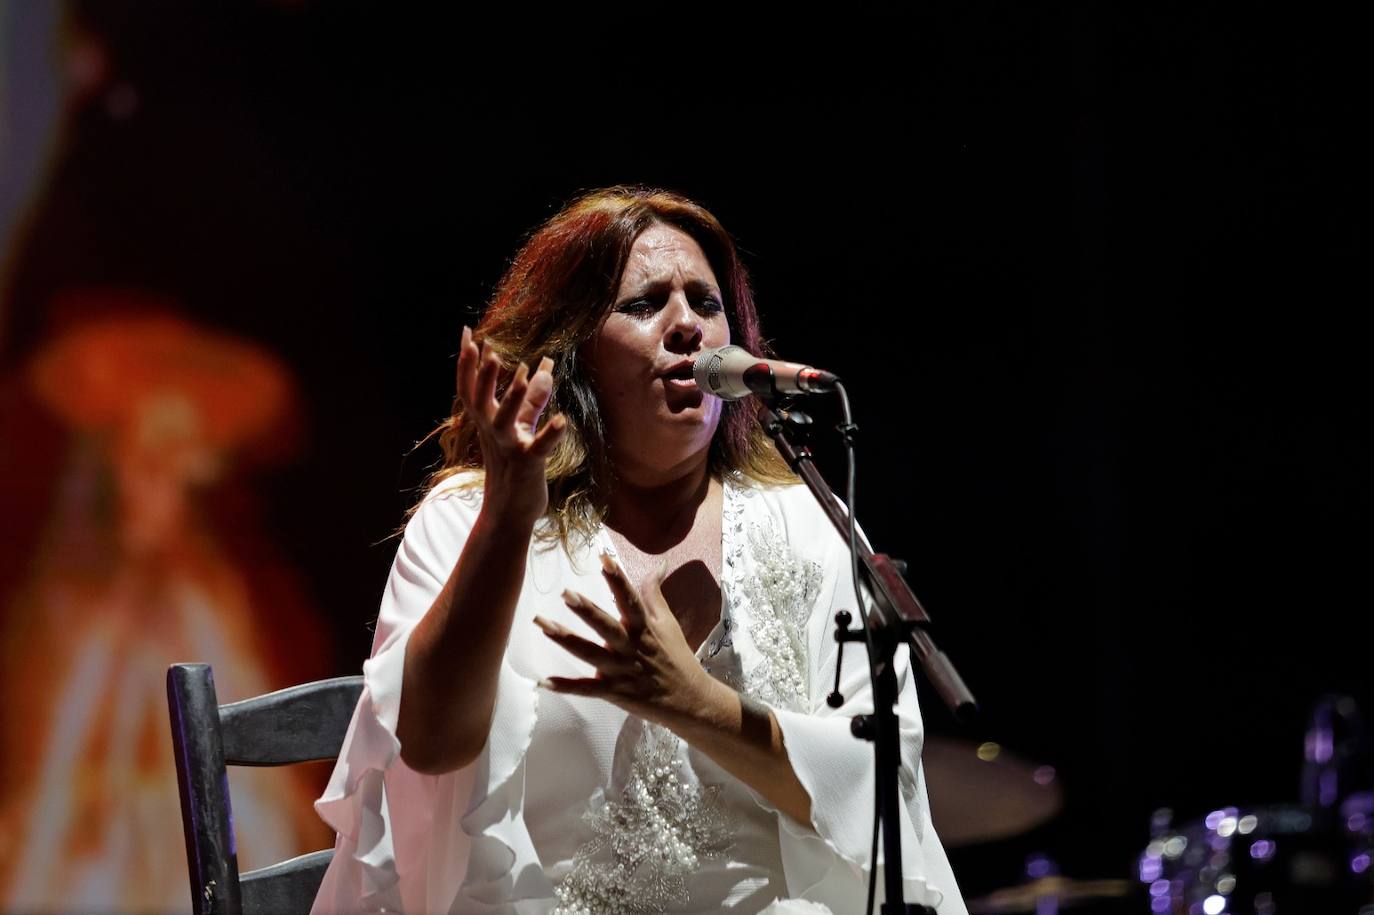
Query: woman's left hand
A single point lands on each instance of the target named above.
(645, 665)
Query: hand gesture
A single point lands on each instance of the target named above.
(514, 449)
(645, 665)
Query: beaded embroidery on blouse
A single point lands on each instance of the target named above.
(776, 598)
(656, 833)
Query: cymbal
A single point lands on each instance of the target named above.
(1065, 892)
(981, 792)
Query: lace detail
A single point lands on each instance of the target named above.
(779, 595)
(645, 844)
(775, 596)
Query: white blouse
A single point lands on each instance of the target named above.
(575, 807)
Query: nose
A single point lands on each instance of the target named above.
(684, 332)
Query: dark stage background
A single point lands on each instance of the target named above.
(1092, 280)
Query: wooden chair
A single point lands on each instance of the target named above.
(293, 725)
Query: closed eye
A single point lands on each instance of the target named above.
(707, 305)
(637, 307)
(710, 305)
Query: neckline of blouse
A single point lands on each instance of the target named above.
(732, 497)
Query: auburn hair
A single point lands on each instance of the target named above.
(550, 302)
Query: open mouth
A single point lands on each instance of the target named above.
(679, 378)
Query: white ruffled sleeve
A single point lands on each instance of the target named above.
(827, 861)
(409, 842)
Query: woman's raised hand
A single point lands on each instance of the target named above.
(644, 664)
(514, 448)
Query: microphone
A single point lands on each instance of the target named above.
(732, 372)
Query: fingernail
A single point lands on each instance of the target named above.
(545, 364)
(545, 683)
(543, 624)
(607, 562)
(572, 598)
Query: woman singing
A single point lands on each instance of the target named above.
(599, 674)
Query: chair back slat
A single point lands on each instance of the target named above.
(286, 887)
(297, 724)
(206, 817)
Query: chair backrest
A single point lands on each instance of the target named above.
(297, 724)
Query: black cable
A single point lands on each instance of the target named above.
(847, 429)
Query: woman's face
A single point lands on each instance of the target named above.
(667, 310)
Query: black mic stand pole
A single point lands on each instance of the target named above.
(896, 617)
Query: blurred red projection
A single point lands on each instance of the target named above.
(132, 572)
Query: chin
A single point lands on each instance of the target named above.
(706, 411)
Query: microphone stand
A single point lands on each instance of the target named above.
(896, 618)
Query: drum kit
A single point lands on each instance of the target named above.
(1310, 858)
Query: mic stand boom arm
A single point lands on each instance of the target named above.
(896, 617)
